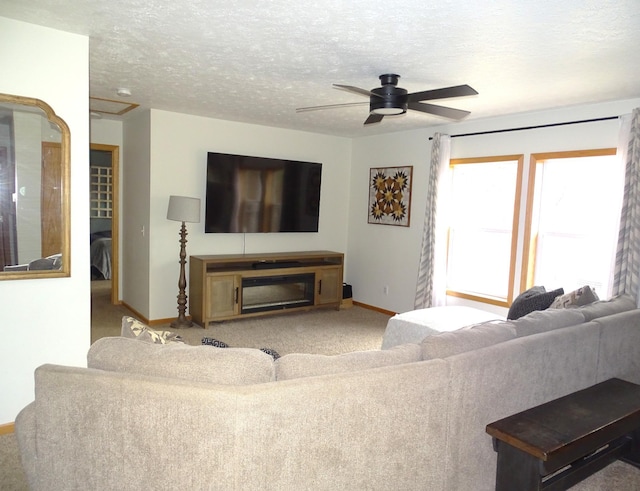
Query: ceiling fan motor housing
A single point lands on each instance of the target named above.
(388, 99)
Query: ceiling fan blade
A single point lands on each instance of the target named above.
(445, 112)
(374, 118)
(445, 93)
(330, 106)
(357, 90)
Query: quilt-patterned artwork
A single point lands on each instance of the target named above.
(390, 195)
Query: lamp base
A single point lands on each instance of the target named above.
(182, 320)
(181, 323)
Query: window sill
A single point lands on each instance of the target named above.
(500, 302)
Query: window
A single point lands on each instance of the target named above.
(485, 205)
(575, 209)
(101, 195)
(564, 237)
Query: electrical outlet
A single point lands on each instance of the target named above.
(385, 289)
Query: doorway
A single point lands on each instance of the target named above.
(105, 215)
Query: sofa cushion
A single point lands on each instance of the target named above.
(133, 328)
(547, 320)
(615, 305)
(297, 365)
(535, 298)
(577, 298)
(229, 366)
(466, 339)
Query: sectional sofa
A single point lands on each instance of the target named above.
(413, 417)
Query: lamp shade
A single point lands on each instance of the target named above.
(184, 209)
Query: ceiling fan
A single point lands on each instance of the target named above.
(389, 99)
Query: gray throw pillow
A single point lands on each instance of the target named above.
(535, 298)
(42, 264)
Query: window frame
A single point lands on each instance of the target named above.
(500, 302)
(529, 249)
(101, 192)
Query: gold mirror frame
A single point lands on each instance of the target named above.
(61, 180)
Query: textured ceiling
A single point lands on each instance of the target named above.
(257, 61)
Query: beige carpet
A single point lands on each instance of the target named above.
(105, 318)
(324, 331)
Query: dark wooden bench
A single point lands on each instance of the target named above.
(558, 444)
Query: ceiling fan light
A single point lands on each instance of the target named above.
(389, 111)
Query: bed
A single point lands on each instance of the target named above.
(101, 255)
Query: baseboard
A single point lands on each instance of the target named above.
(148, 322)
(7, 428)
(169, 320)
(141, 317)
(371, 307)
(157, 322)
(135, 312)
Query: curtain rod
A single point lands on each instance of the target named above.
(532, 127)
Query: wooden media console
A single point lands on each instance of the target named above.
(230, 286)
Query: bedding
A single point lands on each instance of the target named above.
(101, 254)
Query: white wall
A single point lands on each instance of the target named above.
(382, 255)
(134, 216)
(179, 145)
(48, 320)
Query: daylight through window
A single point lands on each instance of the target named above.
(565, 236)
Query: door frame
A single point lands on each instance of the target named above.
(115, 217)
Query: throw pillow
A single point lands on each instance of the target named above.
(214, 342)
(133, 328)
(221, 344)
(577, 298)
(535, 298)
(42, 264)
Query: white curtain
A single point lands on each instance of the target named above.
(627, 266)
(431, 284)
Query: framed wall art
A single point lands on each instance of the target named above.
(390, 195)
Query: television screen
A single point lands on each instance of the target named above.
(256, 194)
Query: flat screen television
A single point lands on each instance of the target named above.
(256, 194)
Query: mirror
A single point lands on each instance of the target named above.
(34, 190)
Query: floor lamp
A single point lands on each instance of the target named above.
(183, 209)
